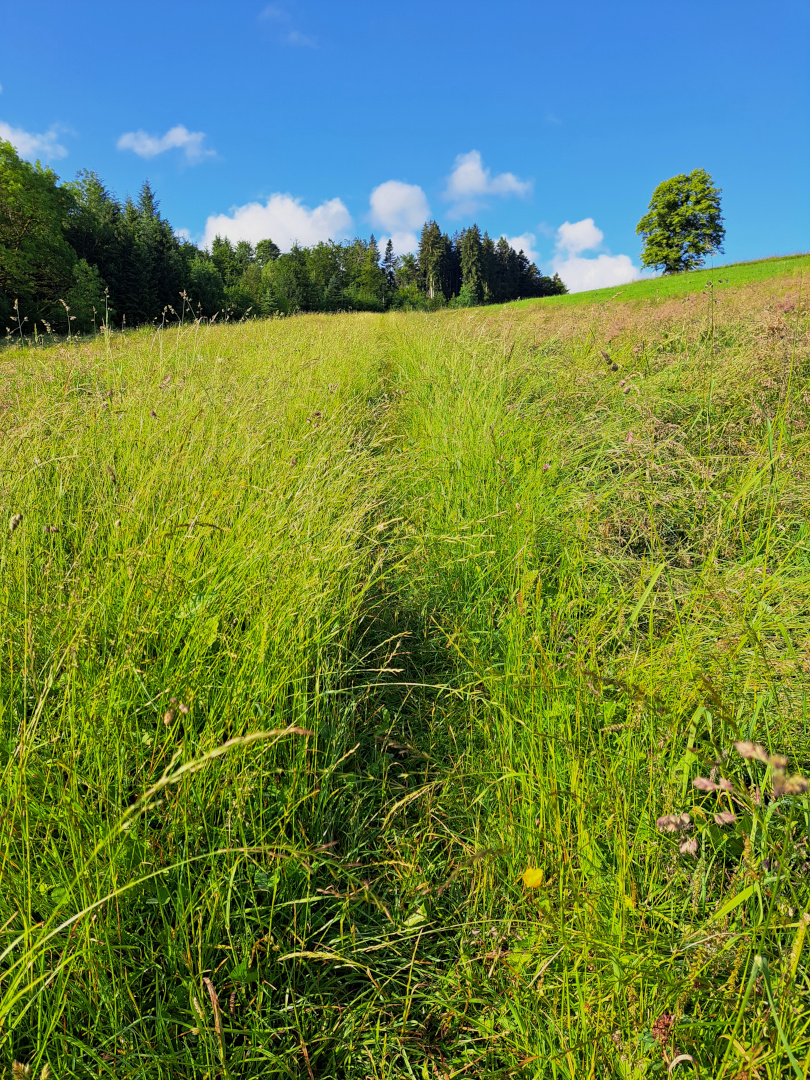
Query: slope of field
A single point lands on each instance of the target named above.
(356, 674)
(719, 277)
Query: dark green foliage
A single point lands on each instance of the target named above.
(434, 261)
(266, 252)
(36, 261)
(76, 246)
(204, 286)
(389, 264)
(472, 275)
(85, 298)
(683, 223)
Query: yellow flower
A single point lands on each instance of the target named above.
(532, 877)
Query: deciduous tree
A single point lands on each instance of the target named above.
(683, 223)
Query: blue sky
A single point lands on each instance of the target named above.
(546, 122)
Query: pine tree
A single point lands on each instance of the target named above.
(390, 264)
(434, 260)
(266, 252)
(488, 267)
(222, 254)
(470, 251)
(371, 280)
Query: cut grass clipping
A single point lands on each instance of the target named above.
(410, 697)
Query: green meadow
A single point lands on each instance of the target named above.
(681, 285)
(356, 672)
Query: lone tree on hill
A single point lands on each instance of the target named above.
(683, 223)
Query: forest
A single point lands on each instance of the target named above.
(72, 256)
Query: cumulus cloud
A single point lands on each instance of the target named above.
(177, 138)
(579, 236)
(595, 272)
(288, 34)
(400, 209)
(601, 272)
(525, 243)
(283, 219)
(470, 183)
(29, 144)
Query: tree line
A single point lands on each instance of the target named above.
(73, 255)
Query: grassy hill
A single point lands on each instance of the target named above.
(356, 675)
(719, 277)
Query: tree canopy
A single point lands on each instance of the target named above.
(72, 254)
(683, 223)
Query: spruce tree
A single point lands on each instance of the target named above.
(434, 260)
(470, 251)
(488, 267)
(266, 252)
(389, 264)
(371, 280)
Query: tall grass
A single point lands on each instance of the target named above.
(356, 672)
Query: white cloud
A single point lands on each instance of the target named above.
(470, 182)
(525, 243)
(605, 270)
(177, 138)
(277, 14)
(182, 234)
(403, 242)
(28, 144)
(400, 209)
(283, 219)
(580, 273)
(579, 236)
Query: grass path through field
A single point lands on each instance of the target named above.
(319, 634)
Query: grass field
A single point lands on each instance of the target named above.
(356, 672)
(679, 285)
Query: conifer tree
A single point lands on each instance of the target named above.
(371, 280)
(488, 267)
(434, 260)
(222, 254)
(389, 264)
(266, 252)
(470, 251)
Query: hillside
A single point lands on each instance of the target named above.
(785, 267)
(356, 672)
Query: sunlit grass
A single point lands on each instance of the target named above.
(719, 275)
(349, 664)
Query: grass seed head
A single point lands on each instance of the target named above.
(674, 823)
(14, 522)
(789, 785)
(752, 751)
(703, 783)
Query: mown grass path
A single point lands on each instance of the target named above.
(319, 633)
